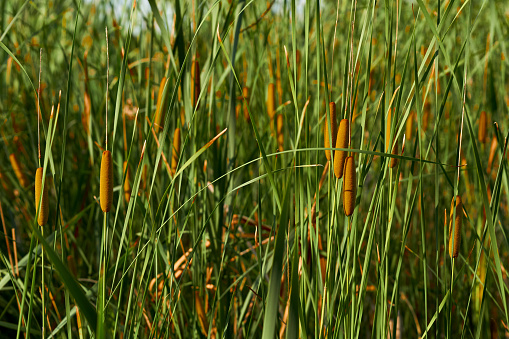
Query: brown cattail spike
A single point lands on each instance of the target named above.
(245, 93)
(482, 127)
(394, 161)
(280, 133)
(195, 85)
(106, 184)
(341, 142)
(349, 186)
(18, 171)
(42, 218)
(425, 115)
(457, 228)
(162, 99)
(127, 184)
(176, 151)
(332, 133)
(409, 125)
(271, 103)
(388, 131)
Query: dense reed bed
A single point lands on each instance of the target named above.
(246, 169)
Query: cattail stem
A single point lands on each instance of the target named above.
(39, 113)
(107, 83)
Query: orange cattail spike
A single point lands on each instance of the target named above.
(280, 132)
(271, 107)
(161, 104)
(106, 183)
(349, 186)
(341, 142)
(482, 127)
(176, 151)
(127, 183)
(425, 115)
(245, 93)
(457, 228)
(394, 161)
(409, 125)
(195, 85)
(332, 132)
(388, 131)
(42, 218)
(18, 171)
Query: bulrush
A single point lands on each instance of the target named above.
(388, 131)
(394, 161)
(280, 133)
(195, 81)
(457, 228)
(127, 184)
(271, 103)
(42, 218)
(349, 186)
(425, 115)
(332, 133)
(245, 93)
(162, 101)
(341, 142)
(409, 125)
(482, 127)
(18, 171)
(106, 183)
(176, 151)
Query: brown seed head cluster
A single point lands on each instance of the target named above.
(42, 218)
(106, 183)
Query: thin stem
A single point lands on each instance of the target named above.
(107, 82)
(39, 111)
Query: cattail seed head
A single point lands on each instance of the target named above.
(127, 184)
(425, 115)
(482, 127)
(42, 218)
(195, 82)
(349, 186)
(457, 228)
(394, 161)
(409, 125)
(85, 116)
(332, 132)
(18, 171)
(162, 100)
(341, 142)
(280, 132)
(271, 103)
(106, 183)
(176, 151)
(245, 93)
(388, 130)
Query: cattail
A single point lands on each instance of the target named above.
(271, 107)
(162, 101)
(87, 103)
(85, 116)
(332, 133)
(388, 130)
(298, 58)
(280, 133)
(426, 114)
(394, 161)
(341, 142)
(457, 228)
(42, 219)
(493, 149)
(16, 166)
(176, 150)
(409, 125)
(195, 85)
(127, 184)
(245, 93)
(482, 127)
(349, 186)
(106, 184)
